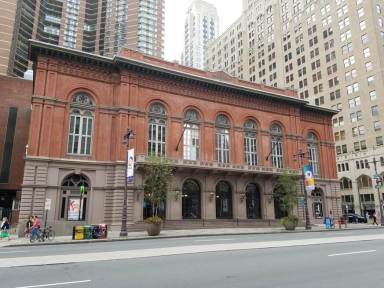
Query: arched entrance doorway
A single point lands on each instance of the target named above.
(253, 201)
(223, 200)
(191, 203)
(317, 203)
(74, 196)
(280, 212)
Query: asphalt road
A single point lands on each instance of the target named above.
(348, 264)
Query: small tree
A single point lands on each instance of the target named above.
(158, 175)
(286, 192)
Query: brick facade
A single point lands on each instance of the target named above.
(15, 95)
(122, 90)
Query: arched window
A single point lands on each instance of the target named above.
(74, 195)
(277, 146)
(80, 125)
(313, 150)
(364, 181)
(222, 139)
(345, 183)
(191, 135)
(317, 203)
(250, 143)
(157, 137)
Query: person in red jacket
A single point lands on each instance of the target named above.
(35, 226)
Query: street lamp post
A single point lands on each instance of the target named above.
(301, 155)
(378, 183)
(128, 135)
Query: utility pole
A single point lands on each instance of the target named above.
(300, 156)
(379, 182)
(128, 135)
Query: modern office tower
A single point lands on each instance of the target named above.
(95, 26)
(201, 25)
(331, 52)
(7, 22)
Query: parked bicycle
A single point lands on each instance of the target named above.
(42, 235)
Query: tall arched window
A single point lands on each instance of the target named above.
(222, 139)
(157, 137)
(313, 150)
(364, 181)
(277, 146)
(250, 143)
(345, 183)
(73, 206)
(191, 135)
(80, 125)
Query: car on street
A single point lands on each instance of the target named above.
(355, 218)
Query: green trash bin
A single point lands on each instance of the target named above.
(87, 232)
(4, 234)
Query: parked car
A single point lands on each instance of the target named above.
(355, 218)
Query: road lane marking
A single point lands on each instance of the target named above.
(351, 253)
(14, 251)
(214, 240)
(178, 250)
(56, 284)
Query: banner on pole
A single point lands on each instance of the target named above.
(131, 165)
(309, 181)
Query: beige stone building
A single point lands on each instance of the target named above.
(331, 52)
(95, 26)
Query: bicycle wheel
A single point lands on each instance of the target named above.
(51, 235)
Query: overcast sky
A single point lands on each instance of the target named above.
(175, 11)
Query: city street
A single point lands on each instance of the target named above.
(321, 259)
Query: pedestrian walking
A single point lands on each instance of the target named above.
(4, 229)
(374, 219)
(35, 226)
(4, 224)
(28, 226)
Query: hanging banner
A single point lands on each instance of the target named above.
(74, 209)
(309, 181)
(130, 165)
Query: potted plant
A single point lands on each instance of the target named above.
(158, 175)
(286, 192)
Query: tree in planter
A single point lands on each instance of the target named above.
(286, 192)
(158, 175)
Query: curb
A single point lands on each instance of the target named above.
(187, 236)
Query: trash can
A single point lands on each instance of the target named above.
(95, 231)
(102, 231)
(78, 233)
(4, 234)
(87, 232)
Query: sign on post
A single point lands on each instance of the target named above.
(130, 165)
(48, 204)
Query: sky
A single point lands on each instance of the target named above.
(175, 13)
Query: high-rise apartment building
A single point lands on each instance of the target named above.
(94, 26)
(201, 26)
(331, 52)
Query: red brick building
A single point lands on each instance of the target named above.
(228, 140)
(15, 108)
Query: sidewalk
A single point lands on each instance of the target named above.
(114, 235)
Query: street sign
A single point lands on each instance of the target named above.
(48, 204)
